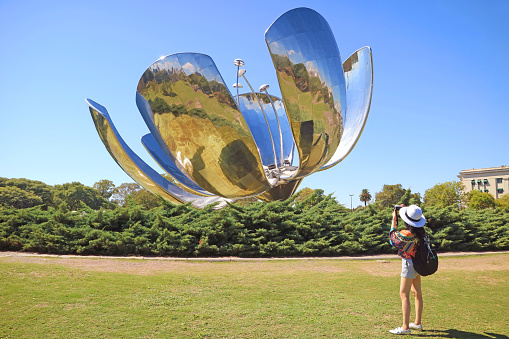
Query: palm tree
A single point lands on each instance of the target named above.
(365, 196)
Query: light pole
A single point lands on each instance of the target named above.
(351, 206)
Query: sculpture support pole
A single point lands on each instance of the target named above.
(238, 102)
(238, 63)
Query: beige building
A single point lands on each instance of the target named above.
(494, 180)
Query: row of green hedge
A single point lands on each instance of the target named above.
(316, 226)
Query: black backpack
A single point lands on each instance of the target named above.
(426, 259)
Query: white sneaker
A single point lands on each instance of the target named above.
(415, 327)
(400, 330)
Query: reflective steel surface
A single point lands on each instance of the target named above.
(136, 168)
(255, 96)
(310, 75)
(254, 117)
(200, 124)
(358, 70)
(217, 146)
(160, 152)
(281, 192)
(152, 147)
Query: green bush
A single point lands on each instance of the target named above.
(313, 224)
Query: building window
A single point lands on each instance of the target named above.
(473, 182)
(485, 181)
(485, 191)
(500, 190)
(499, 180)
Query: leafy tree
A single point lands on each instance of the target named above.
(415, 198)
(146, 199)
(75, 193)
(410, 198)
(365, 196)
(480, 200)
(390, 195)
(13, 196)
(105, 187)
(302, 194)
(444, 194)
(405, 199)
(40, 189)
(122, 191)
(503, 201)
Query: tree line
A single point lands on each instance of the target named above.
(25, 193)
(109, 220)
(441, 195)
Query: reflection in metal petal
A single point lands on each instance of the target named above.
(199, 122)
(160, 152)
(168, 166)
(280, 192)
(136, 168)
(256, 122)
(308, 67)
(359, 88)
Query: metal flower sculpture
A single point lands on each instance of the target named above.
(218, 147)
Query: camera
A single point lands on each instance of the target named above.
(397, 207)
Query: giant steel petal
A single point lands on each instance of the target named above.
(201, 125)
(309, 70)
(358, 70)
(137, 169)
(160, 152)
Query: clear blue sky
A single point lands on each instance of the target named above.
(439, 99)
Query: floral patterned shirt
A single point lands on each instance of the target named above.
(404, 241)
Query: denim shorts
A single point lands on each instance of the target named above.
(407, 269)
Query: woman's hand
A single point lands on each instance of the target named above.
(395, 218)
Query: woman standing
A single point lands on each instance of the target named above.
(407, 241)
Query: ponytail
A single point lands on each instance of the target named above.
(418, 231)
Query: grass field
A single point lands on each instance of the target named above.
(51, 297)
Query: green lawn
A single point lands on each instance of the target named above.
(44, 297)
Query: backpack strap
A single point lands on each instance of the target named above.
(428, 244)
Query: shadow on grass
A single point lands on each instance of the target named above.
(458, 334)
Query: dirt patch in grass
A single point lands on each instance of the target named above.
(382, 268)
(375, 267)
(470, 263)
(139, 267)
(497, 262)
(149, 266)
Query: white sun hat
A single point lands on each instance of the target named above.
(412, 215)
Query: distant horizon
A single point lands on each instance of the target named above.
(346, 204)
